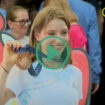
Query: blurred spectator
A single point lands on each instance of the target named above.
(18, 21)
(97, 4)
(5, 4)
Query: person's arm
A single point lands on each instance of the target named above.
(5, 93)
(94, 49)
(9, 59)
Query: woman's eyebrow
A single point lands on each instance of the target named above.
(64, 30)
(51, 30)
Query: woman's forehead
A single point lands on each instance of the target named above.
(22, 14)
(56, 23)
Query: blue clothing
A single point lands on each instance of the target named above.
(50, 87)
(8, 31)
(3, 12)
(88, 20)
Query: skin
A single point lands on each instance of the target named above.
(95, 87)
(19, 31)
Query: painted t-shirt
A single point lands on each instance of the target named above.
(50, 87)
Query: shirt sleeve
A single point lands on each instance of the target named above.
(15, 80)
(94, 49)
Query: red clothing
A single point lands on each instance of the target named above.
(1, 52)
(77, 36)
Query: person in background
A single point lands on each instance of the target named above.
(18, 22)
(62, 86)
(98, 5)
(76, 32)
(5, 4)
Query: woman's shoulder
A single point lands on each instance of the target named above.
(75, 70)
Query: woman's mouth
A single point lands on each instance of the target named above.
(59, 47)
(57, 44)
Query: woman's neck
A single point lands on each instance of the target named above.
(17, 36)
(51, 63)
(73, 23)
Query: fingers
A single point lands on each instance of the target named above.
(14, 45)
(24, 60)
(95, 87)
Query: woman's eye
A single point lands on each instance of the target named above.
(22, 22)
(51, 34)
(64, 33)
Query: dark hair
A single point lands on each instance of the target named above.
(0, 1)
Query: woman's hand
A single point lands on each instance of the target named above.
(24, 60)
(95, 87)
(10, 53)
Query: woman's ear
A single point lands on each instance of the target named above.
(9, 22)
(37, 37)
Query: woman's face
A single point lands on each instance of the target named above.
(56, 27)
(20, 25)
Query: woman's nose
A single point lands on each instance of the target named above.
(26, 24)
(58, 41)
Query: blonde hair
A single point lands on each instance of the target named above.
(42, 19)
(12, 12)
(64, 5)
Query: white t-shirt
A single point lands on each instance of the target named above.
(24, 41)
(50, 87)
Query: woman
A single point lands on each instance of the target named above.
(76, 32)
(18, 21)
(61, 86)
(18, 24)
